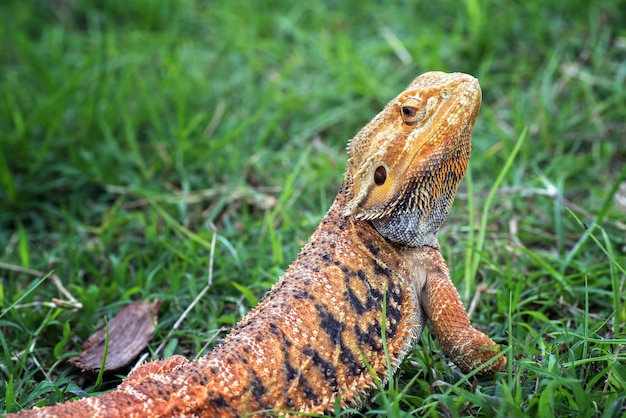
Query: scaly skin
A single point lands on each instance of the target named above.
(303, 347)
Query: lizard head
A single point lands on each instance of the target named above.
(406, 164)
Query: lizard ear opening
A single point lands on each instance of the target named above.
(380, 175)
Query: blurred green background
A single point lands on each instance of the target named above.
(128, 127)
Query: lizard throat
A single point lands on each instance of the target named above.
(407, 229)
(417, 216)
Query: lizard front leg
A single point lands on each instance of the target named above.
(467, 347)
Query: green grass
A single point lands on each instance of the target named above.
(127, 129)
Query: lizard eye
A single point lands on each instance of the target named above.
(412, 110)
(409, 112)
(380, 175)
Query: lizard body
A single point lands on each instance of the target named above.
(373, 256)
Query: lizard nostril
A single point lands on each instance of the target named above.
(380, 175)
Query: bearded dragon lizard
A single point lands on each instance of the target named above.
(372, 270)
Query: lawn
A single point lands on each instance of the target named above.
(133, 131)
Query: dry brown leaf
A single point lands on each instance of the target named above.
(129, 333)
